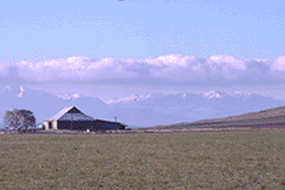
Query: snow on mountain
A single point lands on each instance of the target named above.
(45, 105)
(140, 110)
(135, 97)
(159, 96)
(180, 107)
(15, 90)
(21, 92)
(239, 94)
(211, 94)
(69, 97)
(6, 88)
(171, 101)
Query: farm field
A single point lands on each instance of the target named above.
(252, 159)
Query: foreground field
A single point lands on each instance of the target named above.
(194, 160)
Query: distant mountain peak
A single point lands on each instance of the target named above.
(15, 89)
(70, 97)
(211, 94)
(7, 88)
(155, 108)
(127, 99)
(76, 96)
(10, 88)
(21, 92)
(239, 94)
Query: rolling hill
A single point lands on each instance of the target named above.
(274, 117)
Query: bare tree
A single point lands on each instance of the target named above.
(21, 120)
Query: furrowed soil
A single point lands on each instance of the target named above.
(252, 159)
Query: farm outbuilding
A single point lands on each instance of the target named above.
(73, 119)
(106, 125)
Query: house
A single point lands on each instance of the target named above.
(73, 119)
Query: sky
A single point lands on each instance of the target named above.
(112, 48)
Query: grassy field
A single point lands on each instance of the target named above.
(216, 160)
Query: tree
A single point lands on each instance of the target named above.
(21, 120)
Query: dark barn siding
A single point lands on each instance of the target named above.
(74, 125)
(106, 125)
(92, 125)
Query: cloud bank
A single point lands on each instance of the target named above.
(173, 69)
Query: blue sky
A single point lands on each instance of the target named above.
(136, 46)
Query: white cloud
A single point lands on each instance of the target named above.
(4, 69)
(103, 63)
(176, 60)
(279, 64)
(227, 62)
(173, 67)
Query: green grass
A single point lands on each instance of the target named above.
(216, 160)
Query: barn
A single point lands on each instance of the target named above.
(106, 125)
(73, 119)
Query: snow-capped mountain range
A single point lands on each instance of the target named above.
(68, 97)
(138, 110)
(207, 95)
(132, 98)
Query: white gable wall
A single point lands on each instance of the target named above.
(46, 125)
(54, 124)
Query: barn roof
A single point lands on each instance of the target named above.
(104, 121)
(71, 113)
(109, 122)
